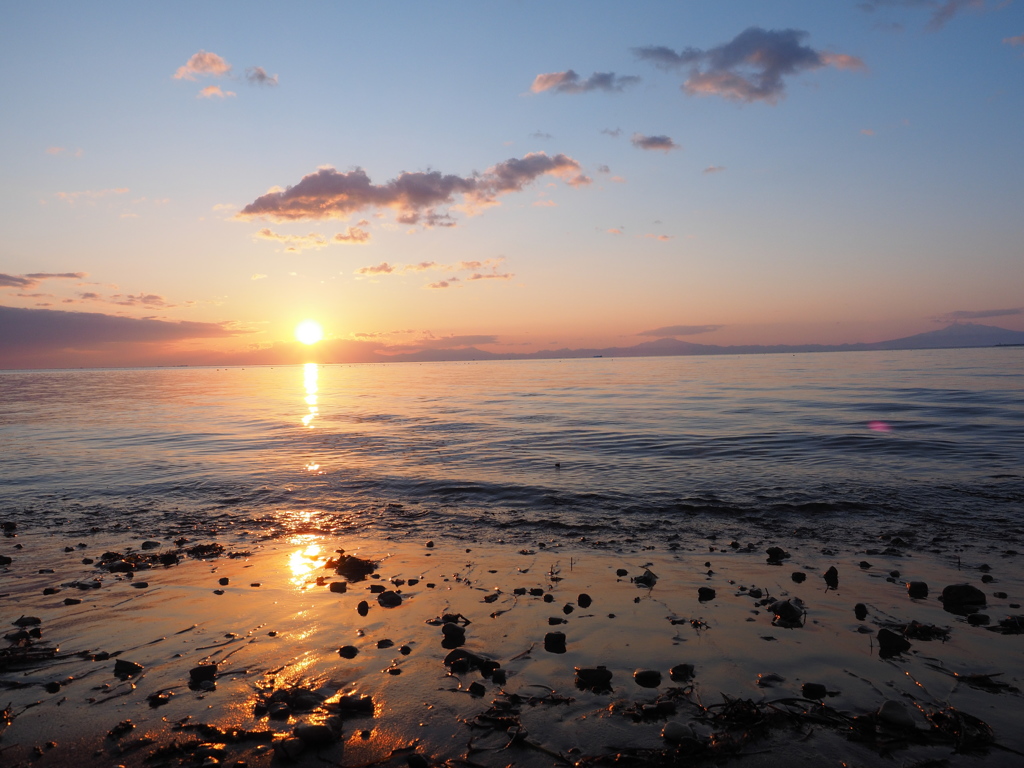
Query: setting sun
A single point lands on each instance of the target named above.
(309, 332)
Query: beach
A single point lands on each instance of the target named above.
(221, 652)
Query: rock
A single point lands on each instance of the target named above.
(677, 732)
(5, 560)
(776, 555)
(363, 608)
(646, 579)
(72, 601)
(556, 620)
(519, 591)
(681, 673)
(865, 564)
(768, 679)
(788, 613)
(354, 703)
(430, 545)
(860, 611)
(831, 577)
(584, 600)
(987, 578)
(814, 691)
(454, 635)
(338, 587)
(890, 643)
(756, 593)
(405, 650)
(647, 678)
(51, 590)
(895, 714)
(389, 599)
(385, 643)
(596, 679)
(978, 620)
(798, 577)
(315, 735)
(120, 566)
(567, 609)
(223, 581)
(124, 668)
(140, 584)
(27, 621)
(918, 590)
(476, 689)
(377, 589)
(962, 596)
(207, 685)
(554, 642)
(621, 572)
(289, 749)
(536, 591)
(52, 687)
(348, 651)
(705, 593)
(417, 761)
(202, 672)
(151, 545)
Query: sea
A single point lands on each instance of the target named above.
(597, 451)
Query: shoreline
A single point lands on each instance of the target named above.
(284, 635)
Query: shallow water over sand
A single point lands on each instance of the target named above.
(593, 447)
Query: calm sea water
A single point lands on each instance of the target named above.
(607, 449)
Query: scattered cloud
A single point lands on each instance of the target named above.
(224, 207)
(474, 267)
(942, 10)
(89, 194)
(660, 238)
(659, 143)
(381, 269)
(680, 330)
(259, 76)
(1018, 40)
(448, 342)
(751, 67)
(614, 231)
(294, 243)
(201, 64)
(214, 92)
(413, 197)
(867, 132)
(490, 276)
(141, 300)
(618, 179)
(714, 169)
(32, 279)
(541, 135)
(963, 314)
(258, 276)
(47, 330)
(570, 82)
(356, 235)
(545, 204)
(57, 151)
(442, 283)
(613, 132)
(603, 169)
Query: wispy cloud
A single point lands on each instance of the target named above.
(980, 314)
(89, 194)
(214, 92)
(680, 330)
(414, 197)
(613, 132)
(1018, 40)
(32, 279)
(570, 82)
(541, 136)
(380, 269)
(151, 300)
(614, 231)
(449, 342)
(259, 76)
(64, 151)
(202, 64)
(485, 269)
(658, 143)
(714, 169)
(942, 10)
(751, 67)
(355, 235)
(659, 238)
(258, 276)
(294, 243)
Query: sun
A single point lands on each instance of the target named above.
(309, 332)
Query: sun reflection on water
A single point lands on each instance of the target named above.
(305, 560)
(310, 372)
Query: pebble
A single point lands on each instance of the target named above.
(647, 678)
(681, 672)
(831, 577)
(315, 735)
(814, 691)
(621, 572)
(918, 590)
(705, 593)
(554, 642)
(72, 601)
(549, 598)
(51, 590)
(597, 679)
(860, 611)
(894, 713)
(477, 689)
(289, 749)
(202, 672)
(377, 589)
(385, 643)
(363, 608)
(123, 667)
(788, 612)
(224, 581)
(677, 732)
(961, 595)
(799, 577)
(389, 599)
(348, 651)
(338, 587)
(584, 600)
(978, 620)
(776, 555)
(890, 643)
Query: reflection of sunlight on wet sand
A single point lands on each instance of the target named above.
(304, 561)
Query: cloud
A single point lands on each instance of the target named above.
(661, 143)
(603, 169)
(32, 279)
(867, 132)
(545, 204)
(490, 276)
(381, 269)
(613, 132)
(259, 76)
(89, 194)
(356, 235)
(442, 283)
(963, 314)
(680, 330)
(751, 67)
(570, 82)
(714, 169)
(214, 91)
(541, 135)
(942, 10)
(475, 267)
(203, 64)
(448, 342)
(614, 231)
(40, 330)
(328, 193)
(1018, 40)
(660, 238)
(294, 243)
(258, 276)
(141, 300)
(55, 151)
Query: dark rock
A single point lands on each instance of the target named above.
(120, 566)
(890, 643)
(430, 544)
(5, 560)
(987, 578)
(224, 581)
(621, 572)
(865, 564)
(315, 735)
(554, 642)
(498, 676)
(999, 595)
(405, 650)
(705, 593)
(338, 587)
(555, 620)
(385, 643)
(52, 687)
(476, 689)
(598, 680)
(413, 582)
(549, 598)
(289, 749)
(417, 761)
(353, 568)
(917, 589)
(536, 591)
(151, 545)
(799, 577)
(567, 609)
(348, 651)
(584, 601)
(454, 635)
(814, 691)
(681, 673)
(363, 608)
(51, 590)
(519, 591)
(860, 611)
(788, 613)
(72, 601)
(202, 672)
(647, 579)
(140, 584)
(159, 698)
(978, 620)
(831, 577)
(27, 621)
(776, 555)
(124, 668)
(389, 599)
(647, 678)
(356, 704)
(962, 596)
(377, 589)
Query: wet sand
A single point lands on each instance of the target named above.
(277, 626)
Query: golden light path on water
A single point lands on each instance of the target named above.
(310, 374)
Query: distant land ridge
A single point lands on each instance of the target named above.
(953, 336)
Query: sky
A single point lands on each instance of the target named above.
(185, 183)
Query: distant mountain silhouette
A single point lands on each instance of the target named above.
(953, 336)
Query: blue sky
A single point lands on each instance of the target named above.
(870, 191)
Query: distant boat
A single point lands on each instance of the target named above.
(598, 355)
